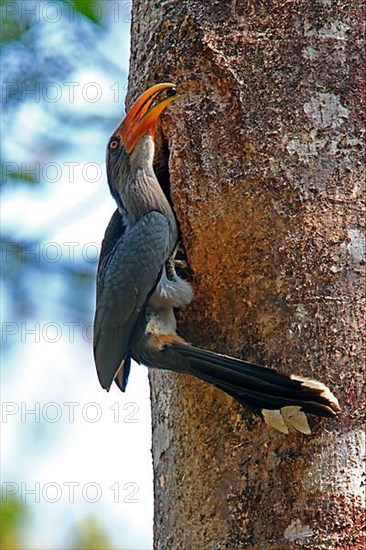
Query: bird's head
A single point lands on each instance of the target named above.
(131, 146)
(141, 118)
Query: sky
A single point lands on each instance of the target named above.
(69, 449)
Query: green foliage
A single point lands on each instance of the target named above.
(13, 514)
(87, 8)
(90, 535)
(16, 20)
(16, 177)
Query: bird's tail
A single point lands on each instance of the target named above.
(282, 400)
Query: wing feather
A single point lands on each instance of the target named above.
(126, 277)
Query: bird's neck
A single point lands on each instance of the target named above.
(142, 192)
(144, 195)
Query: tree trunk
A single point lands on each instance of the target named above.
(265, 164)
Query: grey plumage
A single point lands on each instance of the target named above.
(122, 293)
(138, 289)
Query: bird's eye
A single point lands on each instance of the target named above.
(171, 92)
(114, 144)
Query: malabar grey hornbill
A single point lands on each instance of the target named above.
(138, 289)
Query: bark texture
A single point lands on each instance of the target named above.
(265, 160)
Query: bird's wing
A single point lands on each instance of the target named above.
(115, 229)
(113, 233)
(125, 280)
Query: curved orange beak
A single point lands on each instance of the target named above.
(141, 119)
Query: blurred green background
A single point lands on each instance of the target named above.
(64, 77)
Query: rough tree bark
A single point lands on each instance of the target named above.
(265, 164)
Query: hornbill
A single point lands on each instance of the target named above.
(138, 288)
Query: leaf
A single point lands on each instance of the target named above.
(90, 9)
(17, 176)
